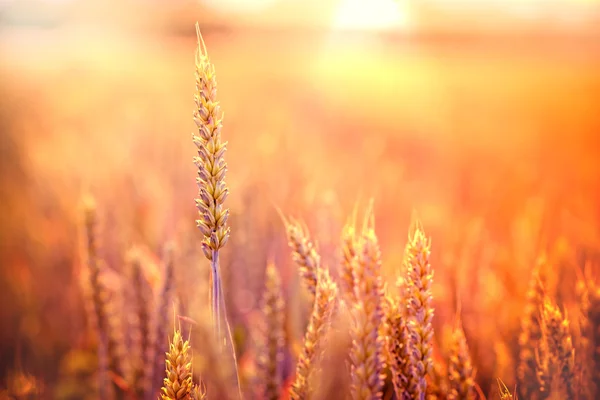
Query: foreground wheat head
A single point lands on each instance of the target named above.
(369, 326)
(419, 309)
(212, 189)
(178, 383)
(210, 161)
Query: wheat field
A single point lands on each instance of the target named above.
(241, 214)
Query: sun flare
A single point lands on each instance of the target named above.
(371, 14)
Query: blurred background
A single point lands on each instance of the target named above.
(482, 116)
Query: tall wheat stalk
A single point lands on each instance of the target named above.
(212, 189)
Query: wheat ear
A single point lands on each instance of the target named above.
(419, 308)
(304, 253)
(349, 251)
(212, 167)
(369, 329)
(272, 340)
(178, 384)
(212, 189)
(460, 368)
(398, 347)
(316, 331)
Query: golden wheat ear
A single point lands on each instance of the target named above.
(304, 253)
(212, 192)
(419, 309)
(369, 330)
(177, 384)
(460, 367)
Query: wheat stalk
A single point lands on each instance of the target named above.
(212, 167)
(212, 189)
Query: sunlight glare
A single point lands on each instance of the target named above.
(371, 14)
